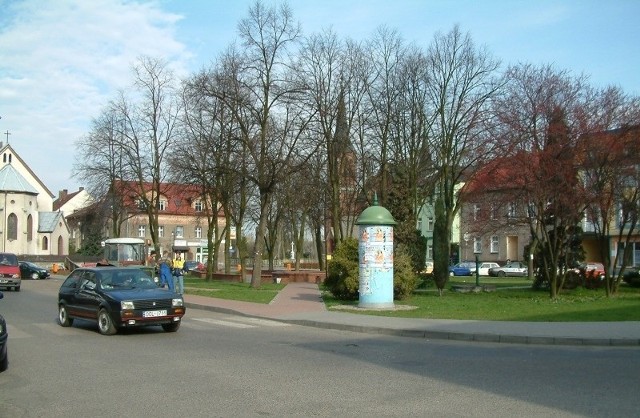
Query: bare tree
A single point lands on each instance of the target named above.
(99, 163)
(461, 85)
(147, 135)
(264, 102)
(541, 116)
(606, 158)
(204, 160)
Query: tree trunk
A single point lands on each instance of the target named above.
(265, 198)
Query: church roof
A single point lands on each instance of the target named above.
(12, 181)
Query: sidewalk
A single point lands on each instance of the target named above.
(301, 303)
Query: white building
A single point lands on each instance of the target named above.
(28, 225)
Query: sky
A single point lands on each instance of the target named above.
(61, 61)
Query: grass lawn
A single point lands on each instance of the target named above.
(231, 290)
(512, 300)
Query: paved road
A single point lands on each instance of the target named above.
(222, 364)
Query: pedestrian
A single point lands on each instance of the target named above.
(151, 260)
(165, 271)
(178, 273)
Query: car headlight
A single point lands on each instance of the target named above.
(177, 302)
(126, 305)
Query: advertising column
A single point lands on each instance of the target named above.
(375, 250)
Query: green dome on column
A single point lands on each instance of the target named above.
(375, 215)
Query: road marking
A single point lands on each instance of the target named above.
(16, 333)
(56, 329)
(223, 323)
(266, 322)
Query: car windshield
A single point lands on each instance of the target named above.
(120, 279)
(8, 260)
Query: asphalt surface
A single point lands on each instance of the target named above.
(301, 303)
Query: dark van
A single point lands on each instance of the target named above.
(9, 272)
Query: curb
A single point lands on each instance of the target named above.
(439, 335)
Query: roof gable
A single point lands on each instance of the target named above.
(12, 181)
(13, 154)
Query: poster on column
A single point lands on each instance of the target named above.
(376, 247)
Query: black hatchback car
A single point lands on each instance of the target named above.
(118, 297)
(28, 270)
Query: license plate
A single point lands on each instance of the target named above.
(153, 314)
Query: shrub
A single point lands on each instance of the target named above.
(405, 279)
(342, 271)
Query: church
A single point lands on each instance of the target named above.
(28, 225)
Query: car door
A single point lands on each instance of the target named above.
(87, 297)
(68, 291)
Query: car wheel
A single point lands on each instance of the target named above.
(34, 276)
(172, 327)
(4, 363)
(63, 316)
(17, 288)
(105, 323)
(501, 274)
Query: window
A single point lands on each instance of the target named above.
(419, 228)
(179, 231)
(531, 209)
(477, 245)
(141, 204)
(430, 224)
(198, 206)
(160, 231)
(142, 231)
(45, 243)
(476, 211)
(198, 232)
(12, 227)
(162, 204)
(493, 212)
(494, 244)
(429, 252)
(511, 213)
(29, 228)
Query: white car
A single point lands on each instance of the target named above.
(483, 268)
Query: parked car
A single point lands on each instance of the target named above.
(29, 270)
(631, 276)
(4, 356)
(118, 297)
(483, 268)
(512, 268)
(9, 272)
(193, 265)
(592, 274)
(460, 269)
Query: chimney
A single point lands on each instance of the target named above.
(63, 193)
(81, 189)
